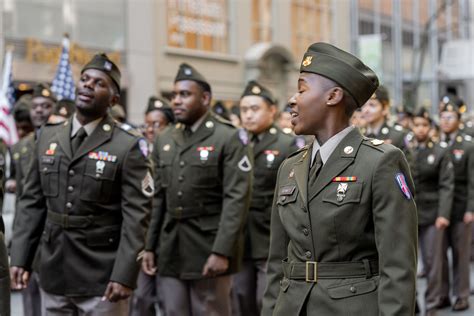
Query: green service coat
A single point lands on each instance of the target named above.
(107, 182)
(203, 187)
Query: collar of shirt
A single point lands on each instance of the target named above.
(89, 127)
(198, 123)
(328, 147)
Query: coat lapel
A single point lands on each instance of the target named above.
(100, 135)
(337, 162)
(203, 131)
(301, 170)
(64, 138)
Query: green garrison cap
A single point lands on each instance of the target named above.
(254, 88)
(187, 72)
(423, 113)
(103, 63)
(343, 68)
(24, 103)
(43, 90)
(451, 103)
(65, 108)
(382, 95)
(160, 104)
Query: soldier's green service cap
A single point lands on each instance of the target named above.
(160, 104)
(254, 88)
(188, 72)
(343, 68)
(103, 63)
(450, 103)
(65, 108)
(382, 95)
(43, 90)
(24, 103)
(423, 113)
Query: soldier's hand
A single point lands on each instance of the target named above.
(116, 292)
(468, 217)
(19, 278)
(441, 223)
(148, 263)
(215, 264)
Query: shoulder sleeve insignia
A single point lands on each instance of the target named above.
(143, 144)
(243, 136)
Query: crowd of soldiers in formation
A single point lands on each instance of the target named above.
(233, 153)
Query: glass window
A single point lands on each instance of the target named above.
(95, 23)
(198, 24)
(311, 22)
(262, 21)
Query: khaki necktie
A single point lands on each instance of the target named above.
(315, 169)
(78, 139)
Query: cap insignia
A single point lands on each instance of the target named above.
(307, 61)
(256, 90)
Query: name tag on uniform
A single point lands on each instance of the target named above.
(47, 160)
(288, 190)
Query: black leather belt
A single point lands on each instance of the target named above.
(81, 221)
(311, 271)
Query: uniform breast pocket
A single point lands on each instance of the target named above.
(287, 194)
(340, 193)
(205, 174)
(49, 170)
(98, 181)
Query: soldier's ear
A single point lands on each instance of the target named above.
(206, 98)
(334, 96)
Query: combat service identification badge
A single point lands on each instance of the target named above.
(402, 184)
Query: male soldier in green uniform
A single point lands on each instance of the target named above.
(43, 102)
(203, 184)
(158, 116)
(87, 197)
(270, 147)
(433, 175)
(461, 148)
(343, 228)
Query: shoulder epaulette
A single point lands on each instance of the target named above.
(304, 148)
(222, 120)
(374, 143)
(129, 129)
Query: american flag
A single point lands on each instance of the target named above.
(63, 83)
(7, 124)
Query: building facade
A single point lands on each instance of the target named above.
(233, 41)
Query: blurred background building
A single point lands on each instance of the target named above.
(419, 48)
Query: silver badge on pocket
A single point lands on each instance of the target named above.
(99, 167)
(341, 191)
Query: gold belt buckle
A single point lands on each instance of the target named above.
(315, 271)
